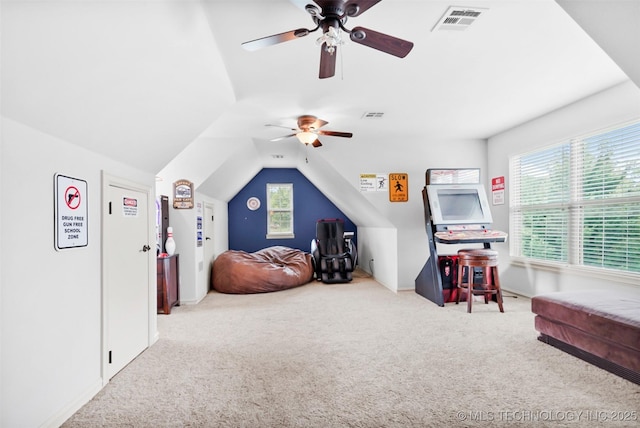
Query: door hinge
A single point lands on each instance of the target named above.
(109, 357)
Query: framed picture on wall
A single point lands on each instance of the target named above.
(183, 194)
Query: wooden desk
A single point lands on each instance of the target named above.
(168, 283)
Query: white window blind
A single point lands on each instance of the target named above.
(540, 204)
(608, 199)
(578, 202)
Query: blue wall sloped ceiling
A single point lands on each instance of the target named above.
(248, 229)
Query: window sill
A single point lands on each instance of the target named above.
(591, 272)
(280, 236)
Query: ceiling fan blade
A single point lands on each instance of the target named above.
(263, 42)
(319, 123)
(316, 143)
(281, 126)
(358, 7)
(283, 137)
(327, 62)
(382, 42)
(336, 134)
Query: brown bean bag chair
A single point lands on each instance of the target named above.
(270, 269)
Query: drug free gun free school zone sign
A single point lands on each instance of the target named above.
(70, 206)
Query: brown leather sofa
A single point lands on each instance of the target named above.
(598, 326)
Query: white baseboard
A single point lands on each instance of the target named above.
(66, 412)
(193, 302)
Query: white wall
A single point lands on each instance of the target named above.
(378, 254)
(183, 222)
(51, 300)
(406, 217)
(220, 238)
(194, 270)
(613, 106)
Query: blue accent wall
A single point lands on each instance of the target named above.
(248, 229)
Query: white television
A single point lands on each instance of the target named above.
(459, 204)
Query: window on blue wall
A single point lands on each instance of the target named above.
(279, 210)
(577, 204)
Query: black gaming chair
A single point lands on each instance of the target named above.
(334, 256)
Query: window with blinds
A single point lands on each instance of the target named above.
(279, 210)
(578, 203)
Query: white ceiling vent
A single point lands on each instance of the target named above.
(459, 18)
(372, 115)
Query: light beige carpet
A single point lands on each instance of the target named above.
(355, 355)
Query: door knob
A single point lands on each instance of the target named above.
(145, 248)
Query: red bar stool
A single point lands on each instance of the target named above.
(486, 259)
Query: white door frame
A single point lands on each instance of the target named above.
(209, 235)
(111, 180)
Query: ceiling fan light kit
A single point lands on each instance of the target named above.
(331, 16)
(306, 137)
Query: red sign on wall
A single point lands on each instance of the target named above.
(497, 190)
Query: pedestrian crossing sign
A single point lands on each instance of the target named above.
(398, 187)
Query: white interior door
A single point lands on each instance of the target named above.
(126, 255)
(209, 250)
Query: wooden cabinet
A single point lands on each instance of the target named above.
(168, 283)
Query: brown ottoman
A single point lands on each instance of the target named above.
(599, 326)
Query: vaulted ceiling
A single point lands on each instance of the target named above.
(520, 59)
(165, 84)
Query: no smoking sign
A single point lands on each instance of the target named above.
(70, 212)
